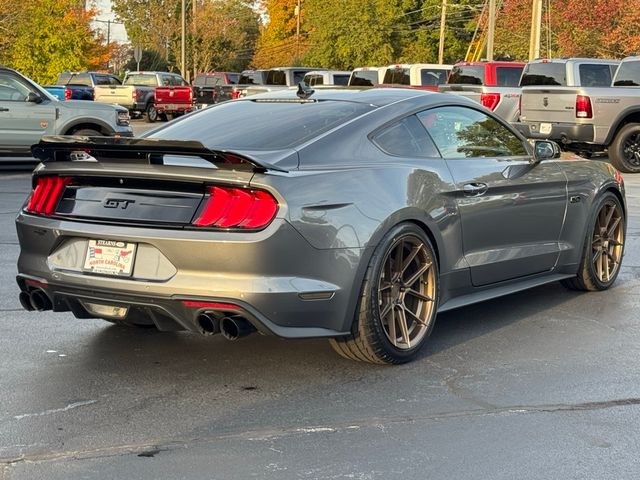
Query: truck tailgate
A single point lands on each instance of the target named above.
(182, 95)
(120, 94)
(553, 105)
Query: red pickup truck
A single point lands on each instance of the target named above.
(174, 100)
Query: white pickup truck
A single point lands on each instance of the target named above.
(587, 118)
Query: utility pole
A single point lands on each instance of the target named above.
(193, 36)
(536, 29)
(443, 19)
(491, 29)
(183, 59)
(297, 12)
(108, 42)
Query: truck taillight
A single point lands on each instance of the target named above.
(583, 107)
(235, 94)
(490, 100)
(191, 95)
(134, 94)
(230, 207)
(47, 194)
(67, 93)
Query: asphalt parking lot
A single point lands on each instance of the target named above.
(543, 384)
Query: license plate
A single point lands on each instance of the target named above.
(545, 128)
(110, 257)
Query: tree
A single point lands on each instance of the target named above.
(278, 44)
(50, 36)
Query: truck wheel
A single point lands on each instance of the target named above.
(624, 152)
(152, 113)
(88, 132)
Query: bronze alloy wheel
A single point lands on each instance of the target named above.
(406, 292)
(608, 241)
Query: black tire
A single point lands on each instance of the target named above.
(368, 341)
(152, 113)
(587, 278)
(88, 132)
(624, 152)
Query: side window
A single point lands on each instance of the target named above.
(508, 76)
(406, 138)
(461, 132)
(114, 81)
(166, 80)
(12, 89)
(594, 75)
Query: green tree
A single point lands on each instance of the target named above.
(278, 44)
(50, 36)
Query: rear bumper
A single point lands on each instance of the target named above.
(171, 108)
(565, 133)
(308, 297)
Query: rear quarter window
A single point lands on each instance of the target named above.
(552, 74)
(406, 138)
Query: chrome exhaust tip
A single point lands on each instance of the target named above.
(234, 328)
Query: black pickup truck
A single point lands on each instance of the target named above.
(214, 87)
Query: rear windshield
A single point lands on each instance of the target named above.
(364, 78)
(595, 75)
(340, 79)
(233, 78)
(313, 79)
(142, 79)
(82, 79)
(251, 78)
(273, 125)
(628, 74)
(430, 77)
(508, 76)
(467, 75)
(398, 76)
(546, 73)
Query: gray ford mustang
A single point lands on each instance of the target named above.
(352, 215)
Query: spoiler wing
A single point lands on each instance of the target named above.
(69, 148)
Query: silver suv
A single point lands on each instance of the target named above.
(28, 111)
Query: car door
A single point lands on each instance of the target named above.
(22, 122)
(512, 212)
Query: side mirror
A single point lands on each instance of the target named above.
(545, 150)
(33, 98)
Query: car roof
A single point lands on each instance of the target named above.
(574, 59)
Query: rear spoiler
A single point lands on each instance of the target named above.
(71, 148)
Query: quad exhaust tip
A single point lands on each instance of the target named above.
(234, 328)
(208, 323)
(38, 300)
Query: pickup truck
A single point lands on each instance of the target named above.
(280, 78)
(80, 85)
(214, 87)
(492, 84)
(28, 111)
(423, 76)
(137, 91)
(174, 100)
(327, 77)
(366, 76)
(586, 119)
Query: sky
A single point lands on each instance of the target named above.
(118, 33)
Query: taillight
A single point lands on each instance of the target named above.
(190, 95)
(134, 94)
(228, 207)
(490, 100)
(46, 195)
(520, 104)
(583, 107)
(235, 94)
(67, 94)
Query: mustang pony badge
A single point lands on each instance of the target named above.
(44, 124)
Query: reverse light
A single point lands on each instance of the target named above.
(229, 207)
(490, 100)
(583, 107)
(47, 194)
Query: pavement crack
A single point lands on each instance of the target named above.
(70, 406)
(380, 424)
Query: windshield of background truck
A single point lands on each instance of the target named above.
(546, 73)
(467, 75)
(628, 74)
(397, 76)
(508, 76)
(431, 77)
(364, 78)
(141, 80)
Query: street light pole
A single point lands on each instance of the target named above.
(183, 44)
(443, 19)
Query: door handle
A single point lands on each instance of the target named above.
(475, 189)
(2, 109)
